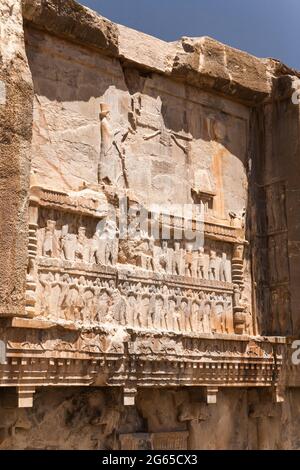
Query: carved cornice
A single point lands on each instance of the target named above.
(56, 356)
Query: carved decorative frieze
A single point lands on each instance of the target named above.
(45, 354)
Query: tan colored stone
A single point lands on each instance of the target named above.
(137, 336)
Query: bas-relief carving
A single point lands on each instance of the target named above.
(271, 261)
(72, 245)
(90, 299)
(76, 239)
(112, 167)
(68, 296)
(180, 258)
(276, 207)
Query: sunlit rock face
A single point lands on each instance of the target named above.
(149, 245)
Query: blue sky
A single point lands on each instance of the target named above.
(265, 28)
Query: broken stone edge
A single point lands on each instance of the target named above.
(201, 62)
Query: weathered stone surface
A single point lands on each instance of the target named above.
(68, 19)
(209, 64)
(133, 144)
(15, 148)
(201, 62)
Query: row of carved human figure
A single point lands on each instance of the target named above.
(74, 298)
(165, 257)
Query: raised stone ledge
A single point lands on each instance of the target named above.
(39, 356)
(201, 62)
(70, 20)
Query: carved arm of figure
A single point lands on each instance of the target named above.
(151, 136)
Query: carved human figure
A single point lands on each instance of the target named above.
(95, 252)
(200, 321)
(224, 271)
(111, 243)
(189, 260)
(186, 315)
(236, 296)
(82, 251)
(55, 295)
(195, 316)
(220, 319)
(145, 310)
(87, 311)
(213, 266)
(273, 260)
(275, 312)
(131, 310)
(238, 251)
(97, 288)
(158, 313)
(46, 282)
(172, 314)
(275, 207)
(68, 244)
(151, 318)
(195, 264)
(228, 314)
(103, 306)
(213, 317)
(207, 310)
(139, 312)
(106, 142)
(79, 301)
(145, 254)
(117, 309)
(178, 321)
(164, 257)
(51, 246)
(178, 260)
(165, 309)
(109, 170)
(201, 263)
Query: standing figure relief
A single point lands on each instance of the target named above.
(87, 300)
(76, 246)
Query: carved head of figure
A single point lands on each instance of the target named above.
(189, 247)
(238, 252)
(125, 288)
(66, 278)
(165, 290)
(50, 277)
(201, 250)
(51, 224)
(164, 244)
(201, 295)
(104, 111)
(177, 246)
(81, 280)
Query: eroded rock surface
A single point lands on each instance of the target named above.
(149, 238)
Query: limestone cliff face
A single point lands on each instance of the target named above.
(15, 146)
(121, 330)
